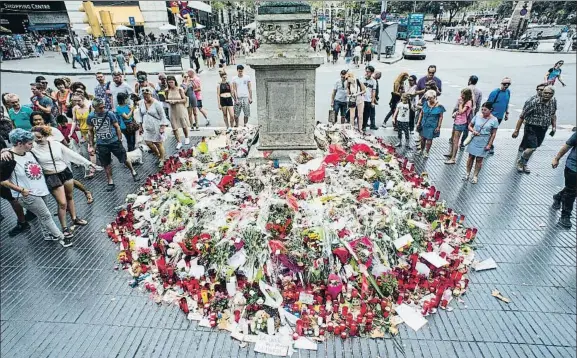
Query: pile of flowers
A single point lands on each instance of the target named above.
(326, 244)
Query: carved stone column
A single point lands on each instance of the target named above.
(285, 71)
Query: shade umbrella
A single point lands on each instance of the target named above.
(5, 30)
(167, 27)
(199, 26)
(251, 26)
(123, 28)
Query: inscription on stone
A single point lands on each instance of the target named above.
(283, 7)
(286, 107)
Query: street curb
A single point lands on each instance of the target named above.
(390, 62)
(82, 73)
(509, 50)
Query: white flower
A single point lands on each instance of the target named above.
(260, 301)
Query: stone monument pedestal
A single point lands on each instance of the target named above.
(285, 71)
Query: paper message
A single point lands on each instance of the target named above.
(273, 345)
(487, 264)
(403, 241)
(306, 298)
(411, 317)
(434, 259)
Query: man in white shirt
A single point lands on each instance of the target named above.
(117, 86)
(83, 52)
(369, 98)
(357, 54)
(242, 94)
(75, 56)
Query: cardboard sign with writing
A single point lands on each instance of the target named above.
(273, 345)
(306, 298)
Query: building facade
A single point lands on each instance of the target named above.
(25, 16)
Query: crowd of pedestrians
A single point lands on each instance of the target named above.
(415, 105)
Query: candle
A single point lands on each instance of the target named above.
(343, 335)
(330, 327)
(337, 330)
(399, 299)
(236, 315)
(363, 309)
(345, 310)
(300, 327)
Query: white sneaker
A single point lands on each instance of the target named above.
(187, 141)
(178, 146)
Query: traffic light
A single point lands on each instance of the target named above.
(188, 20)
(106, 18)
(91, 19)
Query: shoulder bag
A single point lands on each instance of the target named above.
(471, 135)
(52, 180)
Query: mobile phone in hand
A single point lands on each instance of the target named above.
(552, 133)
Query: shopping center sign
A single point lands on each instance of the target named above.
(32, 6)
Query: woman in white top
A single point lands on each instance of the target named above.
(53, 157)
(356, 89)
(22, 174)
(154, 123)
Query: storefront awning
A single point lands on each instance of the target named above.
(199, 5)
(44, 27)
(121, 14)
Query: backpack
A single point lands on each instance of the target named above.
(338, 49)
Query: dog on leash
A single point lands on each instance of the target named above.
(134, 157)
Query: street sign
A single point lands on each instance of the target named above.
(523, 12)
(384, 15)
(132, 21)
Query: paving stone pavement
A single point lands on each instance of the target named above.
(59, 302)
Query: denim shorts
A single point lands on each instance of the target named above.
(340, 107)
(460, 127)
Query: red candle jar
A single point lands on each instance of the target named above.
(399, 299)
(359, 319)
(321, 332)
(386, 314)
(337, 330)
(343, 335)
(330, 327)
(345, 310)
(213, 324)
(353, 329)
(300, 327)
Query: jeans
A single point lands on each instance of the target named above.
(76, 59)
(569, 192)
(85, 63)
(411, 119)
(66, 58)
(37, 205)
(130, 140)
(340, 107)
(368, 114)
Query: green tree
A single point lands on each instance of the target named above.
(453, 7)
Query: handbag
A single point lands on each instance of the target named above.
(132, 127)
(471, 135)
(52, 181)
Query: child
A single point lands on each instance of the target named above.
(401, 119)
(70, 138)
(128, 126)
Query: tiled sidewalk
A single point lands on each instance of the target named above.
(59, 302)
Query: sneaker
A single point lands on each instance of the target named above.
(556, 202)
(110, 187)
(187, 141)
(474, 180)
(398, 145)
(373, 128)
(467, 176)
(65, 241)
(447, 155)
(426, 154)
(526, 169)
(135, 176)
(450, 161)
(207, 122)
(384, 125)
(19, 228)
(565, 221)
(51, 238)
(29, 215)
(520, 167)
(178, 146)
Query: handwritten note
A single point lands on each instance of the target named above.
(306, 298)
(273, 345)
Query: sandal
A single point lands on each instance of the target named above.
(474, 180)
(89, 198)
(80, 222)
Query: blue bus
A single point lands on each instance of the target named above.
(411, 25)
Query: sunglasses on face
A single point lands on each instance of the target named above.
(506, 84)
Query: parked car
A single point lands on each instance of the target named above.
(415, 48)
